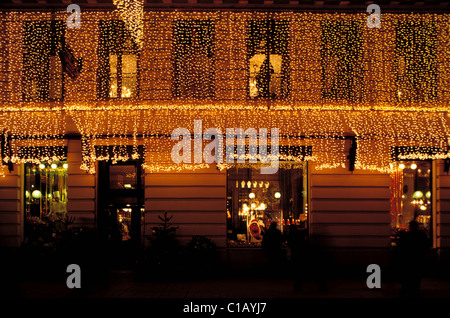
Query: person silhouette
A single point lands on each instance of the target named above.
(272, 245)
(412, 248)
(297, 243)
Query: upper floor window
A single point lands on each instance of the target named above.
(43, 78)
(193, 49)
(416, 61)
(268, 59)
(341, 55)
(119, 59)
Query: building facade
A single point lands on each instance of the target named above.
(111, 124)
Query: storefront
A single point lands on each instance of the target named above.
(349, 187)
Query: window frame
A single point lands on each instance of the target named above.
(285, 89)
(433, 190)
(107, 28)
(415, 70)
(356, 86)
(306, 197)
(51, 43)
(193, 23)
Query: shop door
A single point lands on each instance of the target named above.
(121, 206)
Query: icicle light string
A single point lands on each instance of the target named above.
(195, 65)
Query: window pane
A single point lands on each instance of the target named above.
(416, 61)
(46, 190)
(268, 77)
(42, 68)
(113, 75)
(56, 78)
(255, 200)
(411, 195)
(341, 55)
(129, 75)
(122, 177)
(194, 59)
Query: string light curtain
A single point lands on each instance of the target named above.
(33, 136)
(379, 133)
(310, 46)
(104, 130)
(132, 13)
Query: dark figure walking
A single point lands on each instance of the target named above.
(309, 261)
(297, 243)
(412, 249)
(272, 244)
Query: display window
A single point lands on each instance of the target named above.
(46, 191)
(411, 196)
(255, 200)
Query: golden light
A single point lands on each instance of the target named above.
(210, 78)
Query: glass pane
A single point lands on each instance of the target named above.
(113, 75)
(416, 61)
(255, 200)
(129, 64)
(122, 177)
(341, 55)
(411, 195)
(267, 38)
(46, 190)
(55, 89)
(194, 59)
(260, 83)
(124, 221)
(129, 75)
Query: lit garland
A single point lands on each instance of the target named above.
(378, 133)
(132, 13)
(32, 136)
(306, 116)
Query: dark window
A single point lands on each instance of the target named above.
(268, 59)
(119, 62)
(43, 78)
(193, 49)
(341, 55)
(416, 61)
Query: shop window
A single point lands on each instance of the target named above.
(119, 59)
(255, 200)
(416, 61)
(43, 78)
(193, 49)
(46, 191)
(411, 198)
(124, 176)
(341, 55)
(268, 59)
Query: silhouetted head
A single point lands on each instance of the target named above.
(273, 225)
(413, 225)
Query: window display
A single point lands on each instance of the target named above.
(46, 190)
(255, 200)
(411, 196)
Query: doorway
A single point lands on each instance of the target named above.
(120, 208)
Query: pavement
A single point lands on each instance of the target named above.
(126, 296)
(123, 285)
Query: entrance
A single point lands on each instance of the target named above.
(120, 208)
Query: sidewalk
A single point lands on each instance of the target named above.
(122, 285)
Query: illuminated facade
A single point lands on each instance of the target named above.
(87, 116)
